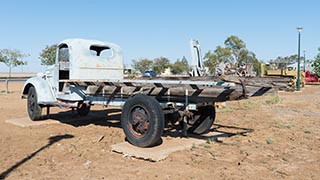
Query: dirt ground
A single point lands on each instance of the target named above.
(274, 137)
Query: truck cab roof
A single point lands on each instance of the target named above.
(83, 44)
(89, 59)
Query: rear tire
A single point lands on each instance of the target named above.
(205, 117)
(83, 109)
(142, 120)
(34, 109)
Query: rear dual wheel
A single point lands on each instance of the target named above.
(203, 120)
(83, 109)
(142, 120)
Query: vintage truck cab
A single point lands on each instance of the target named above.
(76, 59)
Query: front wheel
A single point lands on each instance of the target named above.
(34, 109)
(142, 120)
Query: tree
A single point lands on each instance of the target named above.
(251, 58)
(160, 64)
(12, 58)
(48, 55)
(185, 61)
(180, 66)
(142, 65)
(283, 62)
(211, 61)
(237, 47)
(223, 54)
(316, 64)
(220, 54)
(234, 52)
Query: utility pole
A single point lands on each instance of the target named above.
(304, 60)
(298, 78)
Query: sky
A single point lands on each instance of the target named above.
(150, 29)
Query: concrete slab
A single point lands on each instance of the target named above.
(26, 122)
(168, 146)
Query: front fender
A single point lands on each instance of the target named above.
(44, 90)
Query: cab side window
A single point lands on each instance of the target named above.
(63, 59)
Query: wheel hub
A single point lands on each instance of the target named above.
(139, 121)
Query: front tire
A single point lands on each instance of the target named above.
(34, 109)
(142, 120)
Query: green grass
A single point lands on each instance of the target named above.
(289, 126)
(209, 141)
(207, 146)
(283, 126)
(270, 140)
(226, 110)
(275, 99)
(307, 132)
(285, 159)
(248, 104)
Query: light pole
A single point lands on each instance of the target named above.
(298, 78)
(304, 60)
